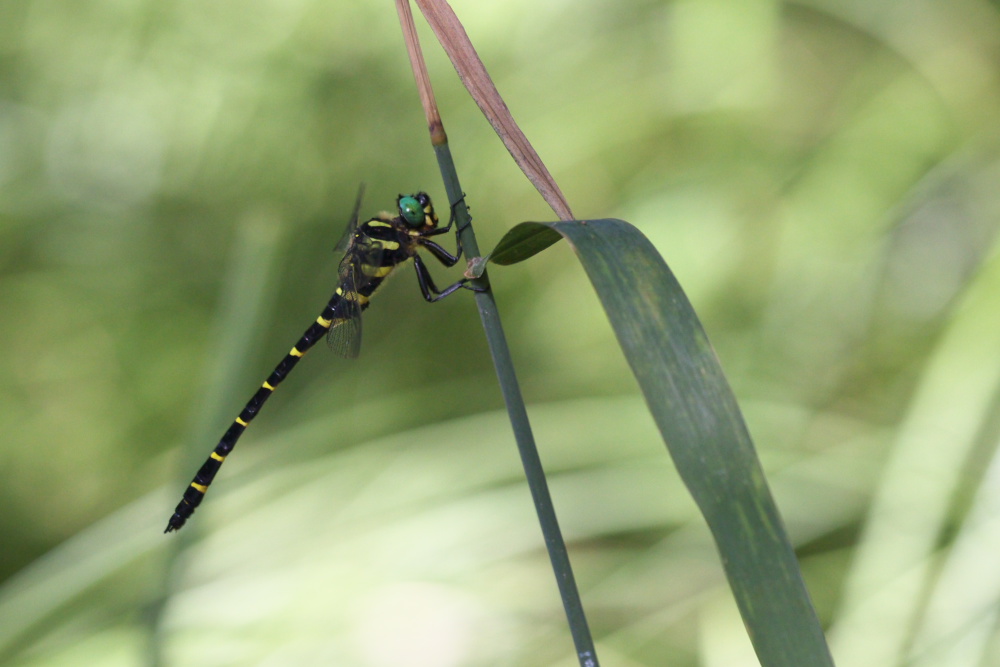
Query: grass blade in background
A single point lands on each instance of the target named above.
(245, 298)
(697, 414)
(900, 543)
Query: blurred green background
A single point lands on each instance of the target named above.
(822, 177)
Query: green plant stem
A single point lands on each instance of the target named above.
(518, 414)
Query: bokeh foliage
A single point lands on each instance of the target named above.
(821, 176)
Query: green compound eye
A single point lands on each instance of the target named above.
(411, 211)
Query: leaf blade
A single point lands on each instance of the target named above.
(701, 423)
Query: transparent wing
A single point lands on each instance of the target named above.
(352, 224)
(344, 337)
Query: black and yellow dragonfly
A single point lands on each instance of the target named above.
(371, 251)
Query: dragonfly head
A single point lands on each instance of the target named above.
(417, 210)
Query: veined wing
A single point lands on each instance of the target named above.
(352, 224)
(360, 267)
(344, 337)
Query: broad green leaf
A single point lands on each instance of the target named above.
(697, 414)
(522, 242)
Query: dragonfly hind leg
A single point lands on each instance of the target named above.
(429, 289)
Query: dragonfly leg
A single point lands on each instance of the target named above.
(430, 290)
(452, 217)
(451, 220)
(435, 249)
(442, 255)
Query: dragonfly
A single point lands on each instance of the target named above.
(372, 250)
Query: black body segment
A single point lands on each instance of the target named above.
(372, 250)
